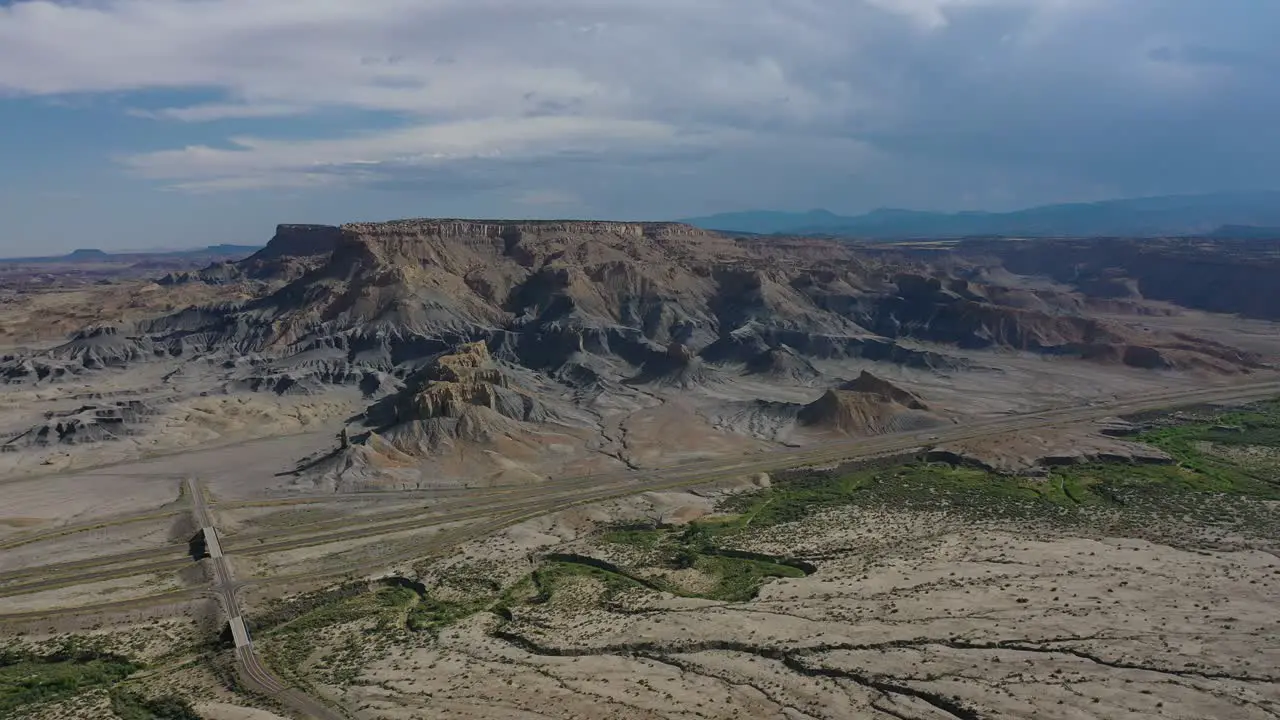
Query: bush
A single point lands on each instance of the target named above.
(130, 705)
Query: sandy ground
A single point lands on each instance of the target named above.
(50, 502)
(674, 432)
(908, 616)
(186, 427)
(332, 556)
(255, 520)
(224, 711)
(109, 540)
(104, 591)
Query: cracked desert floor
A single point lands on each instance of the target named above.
(907, 614)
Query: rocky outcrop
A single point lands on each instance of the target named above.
(298, 241)
(676, 366)
(88, 424)
(867, 405)
(927, 309)
(292, 251)
(783, 363)
(462, 396)
(100, 347)
(464, 379)
(658, 302)
(883, 390)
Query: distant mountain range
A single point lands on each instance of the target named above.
(1244, 214)
(89, 256)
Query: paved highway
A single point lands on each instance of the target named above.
(500, 508)
(252, 671)
(550, 496)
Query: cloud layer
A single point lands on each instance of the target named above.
(980, 99)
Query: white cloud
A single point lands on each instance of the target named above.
(220, 111)
(547, 198)
(313, 162)
(526, 79)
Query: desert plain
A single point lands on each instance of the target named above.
(476, 469)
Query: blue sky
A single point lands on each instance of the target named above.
(178, 123)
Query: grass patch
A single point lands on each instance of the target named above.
(554, 575)
(28, 679)
(734, 576)
(1141, 500)
(739, 579)
(432, 615)
(306, 612)
(1200, 485)
(128, 705)
(1258, 426)
(799, 495)
(641, 537)
(337, 613)
(396, 598)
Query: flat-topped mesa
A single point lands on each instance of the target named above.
(450, 228)
(291, 252)
(460, 246)
(299, 241)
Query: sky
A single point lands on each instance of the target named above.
(135, 124)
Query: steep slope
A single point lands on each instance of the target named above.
(783, 363)
(462, 395)
(292, 251)
(488, 347)
(867, 405)
(538, 292)
(342, 303)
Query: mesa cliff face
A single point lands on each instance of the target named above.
(374, 295)
(531, 335)
(290, 253)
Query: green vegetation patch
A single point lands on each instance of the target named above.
(309, 611)
(28, 679)
(1195, 473)
(740, 579)
(129, 705)
(735, 576)
(553, 575)
(338, 612)
(1200, 485)
(641, 537)
(1257, 426)
(432, 615)
(798, 495)
(396, 597)
(398, 606)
